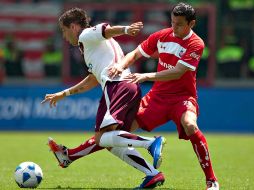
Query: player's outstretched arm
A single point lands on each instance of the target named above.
(128, 60)
(165, 75)
(85, 85)
(131, 30)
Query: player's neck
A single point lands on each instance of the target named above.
(185, 35)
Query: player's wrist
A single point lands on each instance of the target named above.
(149, 76)
(66, 92)
(125, 29)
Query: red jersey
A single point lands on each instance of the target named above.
(171, 50)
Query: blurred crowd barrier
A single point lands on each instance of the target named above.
(31, 46)
(22, 110)
(25, 30)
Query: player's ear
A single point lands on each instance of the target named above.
(192, 23)
(73, 26)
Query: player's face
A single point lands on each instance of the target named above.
(180, 26)
(69, 34)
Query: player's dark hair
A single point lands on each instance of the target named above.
(186, 10)
(75, 15)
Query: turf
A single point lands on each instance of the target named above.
(232, 156)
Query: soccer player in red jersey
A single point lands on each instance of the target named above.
(174, 94)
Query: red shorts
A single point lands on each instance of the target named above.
(155, 110)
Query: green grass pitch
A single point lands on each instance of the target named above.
(232, 157)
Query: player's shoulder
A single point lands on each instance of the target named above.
(90, 31)
(85, 32)
(162, 34)
(92, 28)
(197, 40)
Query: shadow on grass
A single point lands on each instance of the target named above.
(72, 188)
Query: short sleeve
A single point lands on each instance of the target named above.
(93, 34)
(193, 54)
(149, 46)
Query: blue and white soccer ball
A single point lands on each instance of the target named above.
(28, 175)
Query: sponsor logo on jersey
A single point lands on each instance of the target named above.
(163, 47)
(195, 56)
(171, 48)
(181, 53)
(166, 65)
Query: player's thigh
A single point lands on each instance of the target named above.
(129, 117)
(185, 116)
(118, 105)
(124, 103)
(189, 118)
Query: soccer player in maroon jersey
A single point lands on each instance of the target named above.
(174, 94)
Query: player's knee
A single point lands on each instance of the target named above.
(189, 123)
(190, 127)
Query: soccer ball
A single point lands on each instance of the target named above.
(28, 175)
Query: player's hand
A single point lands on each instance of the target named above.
(135, 28)
(136, 77)
(53, 98)
(115, 70)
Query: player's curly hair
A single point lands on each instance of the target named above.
(186, 10)
(75, 15)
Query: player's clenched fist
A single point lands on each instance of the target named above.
(134, 28)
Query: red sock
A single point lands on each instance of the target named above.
(84, 149)
(200, 147)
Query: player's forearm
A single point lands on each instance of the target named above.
(164, 75)
(169, 74)
(114, 31)
(130, 58)
(131, 30)
(83, 86)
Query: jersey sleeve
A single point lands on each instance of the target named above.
(93, 34)
(193, 54)
(148, 47)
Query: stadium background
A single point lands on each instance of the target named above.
(34, 60)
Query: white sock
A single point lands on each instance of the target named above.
(133, 158)
(124, 139)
